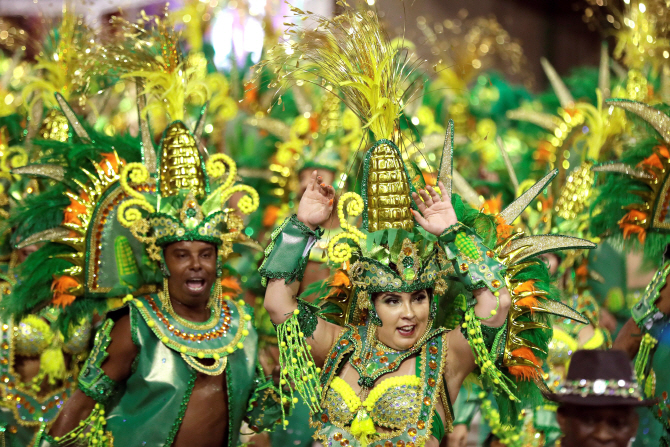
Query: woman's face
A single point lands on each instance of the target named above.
(404, 317)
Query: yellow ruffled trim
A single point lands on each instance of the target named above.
(597, 341)
(354, 402)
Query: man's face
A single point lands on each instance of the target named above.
(585, 426)
(192, 266)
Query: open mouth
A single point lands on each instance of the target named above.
(407, 331)
(195, 285)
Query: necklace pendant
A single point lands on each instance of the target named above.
(366, 382)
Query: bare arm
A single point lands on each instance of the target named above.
(629, 338)
(436, 214)
(460, 362)
(315, 208)
(118, 367)
(630, 335)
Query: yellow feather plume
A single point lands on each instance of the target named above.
(352, 54)
(149, 51)
(60, 62)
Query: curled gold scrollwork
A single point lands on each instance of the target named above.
(340, 252)
(247, 203)
(14, 157)
(138, 174)
(216, 167)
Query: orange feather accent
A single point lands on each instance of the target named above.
(72, 212)
(503, 231)
(524, 372)
(232, 284)
(529, 301)
(61, 287)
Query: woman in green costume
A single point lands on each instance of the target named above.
(377, 371)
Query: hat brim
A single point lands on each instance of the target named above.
(599, 401)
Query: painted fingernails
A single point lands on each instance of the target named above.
(330, 202)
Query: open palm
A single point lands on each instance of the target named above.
(316, 204)
(436, 213)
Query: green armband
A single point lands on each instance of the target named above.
(307, 318)
(288, 252)
(645, 311)
(265, 405)
(466, 405)
(475, 264)
(92, 380)
(44, 440)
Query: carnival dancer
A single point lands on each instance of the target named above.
(631, 210)
(175, 365)
(386, 374)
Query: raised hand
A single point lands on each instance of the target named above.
(436, 213)
(316, 204)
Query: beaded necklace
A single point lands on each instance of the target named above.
(372, 359)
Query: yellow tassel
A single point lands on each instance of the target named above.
(362, 427)
(52, 363)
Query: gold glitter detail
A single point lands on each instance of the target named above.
(659, 120)
(466, 191)
(271, 125)
(54, 127)
(200, 125)
(72, 118)
(180, 162)
(623, 169)
(388, 191)
(446, 165)
(576, 192)
(527, 247)
(52, 234)
(544, 120)
(604, 72)
(215, 369)
(562, 92)
(508, 163)
(148, 152)
(53, 172)
(513, 211)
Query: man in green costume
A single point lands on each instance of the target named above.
(175, 365)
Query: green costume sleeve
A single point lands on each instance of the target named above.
(466, 405)
(651, 322)
(288, 252)
(92, 380)
(265, 405)
(475, 264)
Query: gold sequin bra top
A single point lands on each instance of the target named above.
(33, 335)
(390, 404)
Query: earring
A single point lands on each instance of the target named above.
(219, 268)
(164, 269)
(374, 318)
(433, 309)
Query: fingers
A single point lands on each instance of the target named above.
(419, 202)
(426, 198)
(312, 180)
(446, 195)
(433, 194)
(419, 218)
